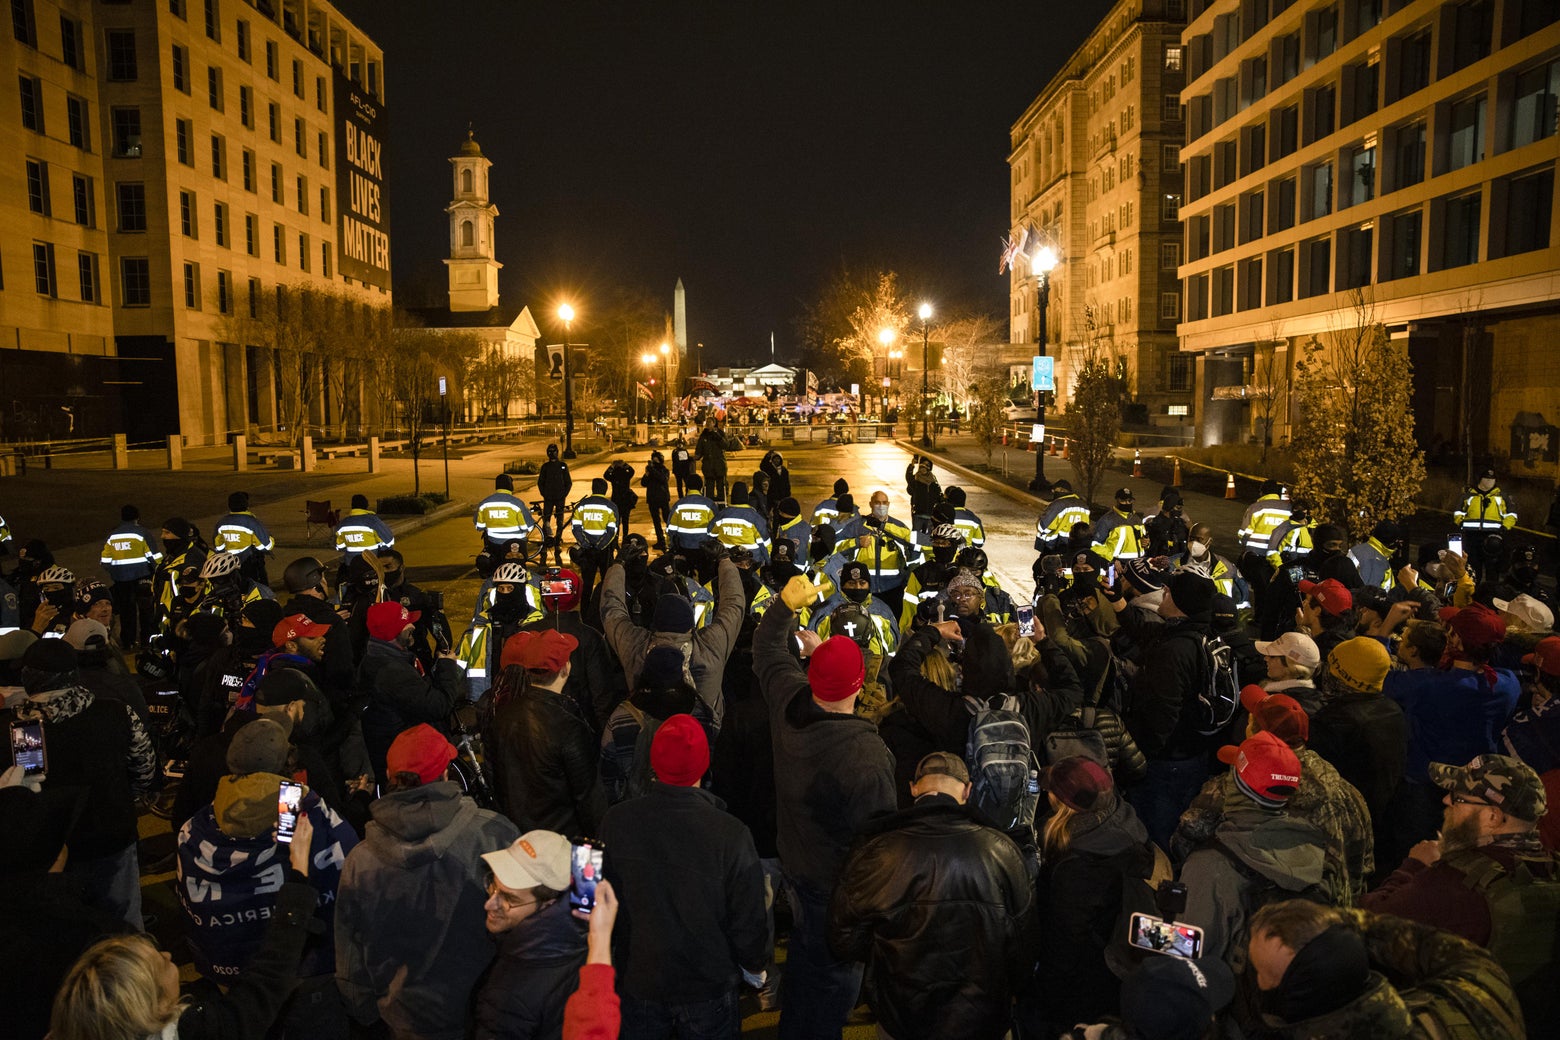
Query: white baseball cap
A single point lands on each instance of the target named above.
(1296, 646)
(536, 858)
(1533, 615)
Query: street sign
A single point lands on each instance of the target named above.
(443, 387)
(1037, 433)
(555, 361)
(1044, 376)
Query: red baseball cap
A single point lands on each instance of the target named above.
(421, 750)
(1276, 713)
(1476, 625)
(836, 669)
(1545, 656)
(1265, 768)
(1077, 782)
(388, 620)
(295, 627)
(545, 651)
(1334, 598)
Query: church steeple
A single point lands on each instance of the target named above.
(473, 271)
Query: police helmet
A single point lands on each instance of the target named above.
(948, 533)
(972, 558)
(303, 574)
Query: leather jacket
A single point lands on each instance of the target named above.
(544, 756)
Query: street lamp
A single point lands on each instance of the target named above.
(1043, 262)
(886, 337)
(566, 313)
(926, 417)
(647, 359)
(666, 379)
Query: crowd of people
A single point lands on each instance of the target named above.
(1298, 793)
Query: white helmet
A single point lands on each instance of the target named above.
(509, 574)
(56, 575)
(219, 565)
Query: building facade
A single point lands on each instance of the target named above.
(1095, 176)
(1396, 152)
(181, 174)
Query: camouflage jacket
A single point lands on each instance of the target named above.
(1446, 989)
(1324, 799)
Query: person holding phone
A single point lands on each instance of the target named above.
(540, 944)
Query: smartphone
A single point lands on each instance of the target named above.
(558, 587)
(27, 749)
(1454, 544)
(287, 802)
(1154, 934)
(1026, 620)
(1110, 576)
(584, 871)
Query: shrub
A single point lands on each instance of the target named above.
(410, 505)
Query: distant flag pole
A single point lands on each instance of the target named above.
(771, 346)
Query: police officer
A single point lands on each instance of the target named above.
(929, 577)
(692, 517)
(888, 548)
(1263, 517)
(682, 465)
(554, 482)
(856, 589)
(1056, 523)
(183, 553)
(502, 520)
(1291, 539)
(827, 511)
(362, 529)
(130, 560)
(965, 519)
(1119, 535)
(1379, 557)
(1167, 529)
(241, 533)
(739, 525)
(1483, 513)
(595, 530)
(789, 523)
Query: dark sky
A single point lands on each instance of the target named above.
(748, 148)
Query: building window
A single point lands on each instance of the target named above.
(1171, 108)
(1460, 237)
(1316, 267)
(297, 67)
(1471, 26)
(213, 21)
(135, 281)
(87, 271)
(303, 195)
(1410, 155)
(325, 205)
(272, 60)
(319, 93)
(22, 24)
(218, 157)
(1535, 15)
(120, 44)
(1362, 176)
(192, 286)
(1170, 207)
(1355, 256)
(78, 123)
(219, 223)
(1413, 64)
(325, 259)
(1286, 55)
(214, 87)
(279, 244)
(273, 115)
(130, 201)
(254, 298)
(1173, 58)
(1466, 143)
(1533, 110)
(176, 8)
(1182, 368)
(324, 151)
(32, 103)
(1169, 256)
(303, 252)
(84, 198)
(1281, 214)
(299, 138)
(246, 107)
(181, 141)
(1529, 205)
(276, 183)
(224, 292)
(243, 39)
(1402, 254)
(1363, 82)
(1223, 290)
(251, 234)
(187, 213)
(127, 133)
(43, 269)
(468, 236)
(1324, 104)
(1319, 191)
(247, 161)
(1171, 158)
(38, 186)
(1248, 292)
(1169, 306)
(1223, 227)
(1324, 31)
(1282, 272)
(181, 69)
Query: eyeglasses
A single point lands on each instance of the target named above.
(509, 901)
(1458, 799)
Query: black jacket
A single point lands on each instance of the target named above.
(710, 450)
(657, 483)
(400, 697)
(554, 481)
(338, 664)
(596, 682)
(522, 993)
(543, 755)
(940, 908)
(779, 478)
(692, 895)
(621, 475)
(1365, 737)
(1162, 702)
(742, 763)
(832, 771)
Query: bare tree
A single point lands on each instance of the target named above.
(1269, 391)
(410, 367)
(1094, 416)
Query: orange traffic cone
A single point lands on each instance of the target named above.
(1175, 480)
(1065, 444)
(1229, 487)
(1053, 446)
(1137, 462)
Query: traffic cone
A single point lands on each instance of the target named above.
(1053, 446)
(1137, 462)
(1229, 487)
(1175, 479)
(1065, 444)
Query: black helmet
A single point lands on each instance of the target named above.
(973, 558)
(303, 574)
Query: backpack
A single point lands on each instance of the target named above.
(1523, 912)
(1001, 759)
(639, 773)
(1216, 705)
(1259, 890)
(1082, 741)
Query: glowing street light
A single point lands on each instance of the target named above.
(666, 378)
(1042, 264)
(925, 314)
(566, 315)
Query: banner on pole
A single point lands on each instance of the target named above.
(1044, 376)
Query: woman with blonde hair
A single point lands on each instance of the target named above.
(124, 988)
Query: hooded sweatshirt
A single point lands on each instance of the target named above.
(410, 936)
(538, 964)
(230, 867)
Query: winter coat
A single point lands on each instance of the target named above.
(691, 890)
(941, 909)
(1365, 738)
(832, 771)
(1162, 708)
(543, 755)
(742, 760)
(1302, 691)
(227, 882)
(410, 940)
(924, 494)
(657, 484)
(1442, 987)
(1284, 850)
(553, 480)
(620, 738)
(595, 680)
(1080, 906)
(710, 451)
(1453, 714)
(522, 993)
(779, 477)
(400, 696)
(705, 649)
(1324, 799)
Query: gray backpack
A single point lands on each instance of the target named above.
(1000, 759)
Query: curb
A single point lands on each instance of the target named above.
(985, 481)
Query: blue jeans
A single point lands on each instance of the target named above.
(715, 1019)
(112, 883)
(1164, 794)
(819, 991)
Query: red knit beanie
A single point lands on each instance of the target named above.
(836, 669)
(680, 752)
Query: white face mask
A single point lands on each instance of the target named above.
(880, 511)
(1199, 550)
(1486, 484)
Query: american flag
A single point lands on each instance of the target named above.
(1011, 248)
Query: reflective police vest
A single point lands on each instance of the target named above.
(128, 554)
(884, 639)
(166, 582)
(970, 527)
(242, 533)
(5, 533)
(689, 523)
(1260, 521)
(798, 531)
(1120, 537)
(1374, 562)
(502, 517)
(826, 512)
(703, 600)
(917, 593)
(888, 552)
(1056, 523)
(1484, 511)
(740, 527)
(595, 524)
(1291, 539)
(361, 530)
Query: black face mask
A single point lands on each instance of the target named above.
(507, 607)
(1524, 574)
(857, 595)
(173, 546)
(392, 579)
(59, 598)
(251, 641)
(944, 554)
(781, 573)
(634, 569)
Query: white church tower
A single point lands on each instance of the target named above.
(473, 269)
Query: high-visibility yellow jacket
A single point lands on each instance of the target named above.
(740, 527)
(800, 533)
(1484, 511)
(883, 641)
(241, 533)
(970, 527)
(1374, 562)
(501, 517)
(1260, 521)
(1056, 523)
(128, 554)
(1289, 537)
(595, 523)
(1120, 536)
(690, 521)
(888, 551)
(360, 531)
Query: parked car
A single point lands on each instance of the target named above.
(1018, 412)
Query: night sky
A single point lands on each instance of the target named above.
(749, 149)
